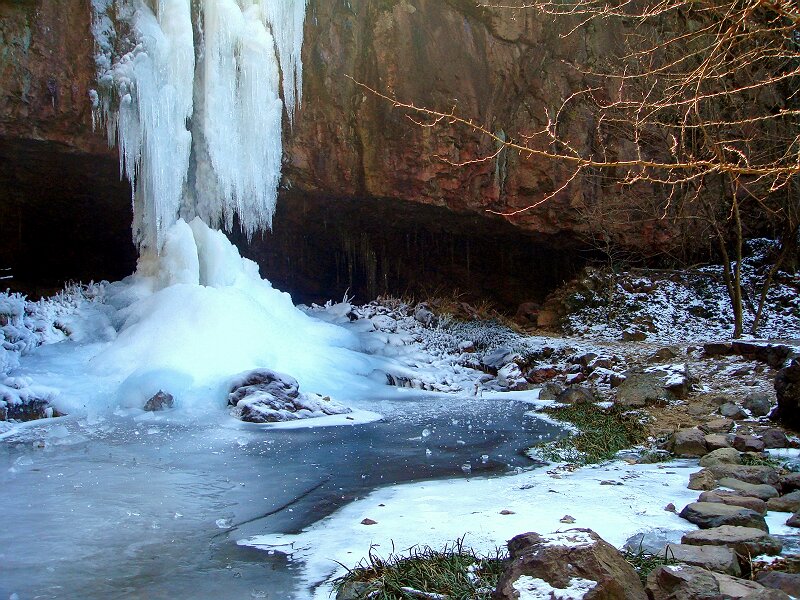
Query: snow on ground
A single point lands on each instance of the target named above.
(199, 313)
(438, 512)
(684, 306)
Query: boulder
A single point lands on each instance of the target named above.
(750, 474)
(576, 558)
(734, 499)
(681, 582)
(642, 389)
(601, 362)
(702, 480)
(732, 588)
(714, 558)
(715, 441)
(787, 389)
(789, 503)
(756, 490)
(774, 438)
(689, 443)
(652, 540)
(758, 404)
(266, 396)
(721, 456)
(717, 349)
(615, 380)
(745, 541)
(790, 481)
(161, 401)
(542, 374)
(748, 443)
(794, 520)
(664, 354)
(777, 580)
(685, 582)
(583, 359)
(498, 358)
(697, 410)
(729, 410)
(713, 514)
(633, 335)
(550, 391)
(576, 394)
(717, 426)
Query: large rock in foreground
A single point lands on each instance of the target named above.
(265, 396)
(576, 563)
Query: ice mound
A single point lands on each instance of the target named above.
(187, 321)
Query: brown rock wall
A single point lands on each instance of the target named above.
(499, 67)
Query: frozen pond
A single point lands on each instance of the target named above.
(144, 506)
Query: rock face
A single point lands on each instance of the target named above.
(574, 559)
(787, 388)
(63, 211)
(501, 68)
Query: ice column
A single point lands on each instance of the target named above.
(148, 121)
(286, 18)
(196, 106)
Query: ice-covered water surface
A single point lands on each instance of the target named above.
(134, 504)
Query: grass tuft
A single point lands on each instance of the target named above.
(644, 562)
(455, 572)
(753, 460)
(602, 433)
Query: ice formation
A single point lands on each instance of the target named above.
(190, 91)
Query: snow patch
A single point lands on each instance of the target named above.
(533, 588)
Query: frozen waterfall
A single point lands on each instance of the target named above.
(191, 93)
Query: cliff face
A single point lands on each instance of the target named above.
(498, 67)
(46, 71)
(64, 214)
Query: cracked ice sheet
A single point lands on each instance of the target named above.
(439, 512)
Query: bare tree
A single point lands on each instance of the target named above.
(704, 94)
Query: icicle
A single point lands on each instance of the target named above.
(241, 117)
(286, 19)
(231, 96)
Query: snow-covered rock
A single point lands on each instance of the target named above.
(265, 396)
(567, 565)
